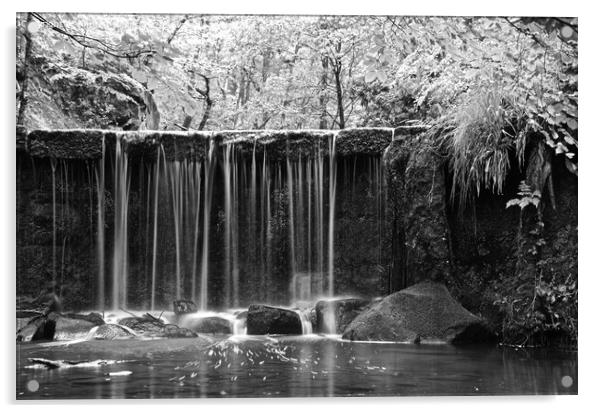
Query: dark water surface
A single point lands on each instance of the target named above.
(292, 366)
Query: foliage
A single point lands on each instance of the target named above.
(481, 144)
(539, 302)
(527, 197)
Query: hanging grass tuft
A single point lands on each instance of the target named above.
(481, 144)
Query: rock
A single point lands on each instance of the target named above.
(60, 327)
(143, 325)
(209, 325)
(94, 318)
(184, 307)
(173, 331)
(416, 188)
(111, 332)
(344, 310)
(263, 319)
(104, 100)
(38, 328)
(73, 326)
(153, 327)
(424, 311)
(25, 316)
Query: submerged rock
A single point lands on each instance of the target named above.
(263, 319)
(74, 326)
(184, 307)
(173, 331)
(343, 312)
(424, 311)
(210, 325)
(111, 332)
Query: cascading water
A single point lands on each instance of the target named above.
(120, 244)
(231, 189)
(306, 327)
(100, 231)
(329, 316)
(155, 230)
(332, 183)
(53, 166)
(261, 200)
(207, 198)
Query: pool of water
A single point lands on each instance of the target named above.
(247, 366)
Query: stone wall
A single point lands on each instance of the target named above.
(361, 239)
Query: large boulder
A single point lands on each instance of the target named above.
(66, 97)
(424, 311)
(263, 319)
(340, 312)
(105, 100)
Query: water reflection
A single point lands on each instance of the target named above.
(309, 365)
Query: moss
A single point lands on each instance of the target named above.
(87, 143)
(66, 144)
(372, 141)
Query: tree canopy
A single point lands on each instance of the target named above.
(488, 83)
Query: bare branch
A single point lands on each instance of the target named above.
(93, 43)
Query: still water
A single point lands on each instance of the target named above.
(253, 366)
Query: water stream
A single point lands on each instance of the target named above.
(295, 366)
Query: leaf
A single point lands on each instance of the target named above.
(572, 123)
(570, 166)
(34, 26)
(380, 75)
(560, 148)
(370, 76)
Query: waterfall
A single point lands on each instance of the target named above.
(120, 245)
(265, 241)
(155, 230)
(306, 327)
(53, 166)
(232, 191)
(329, 316)
(332, 183)
(276, 223)
(291, 216)
(207, 198)
(239, 326)
(100, 231)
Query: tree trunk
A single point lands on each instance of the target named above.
(208, 104)
(323, 100)
(25, 72)
(340, 109)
